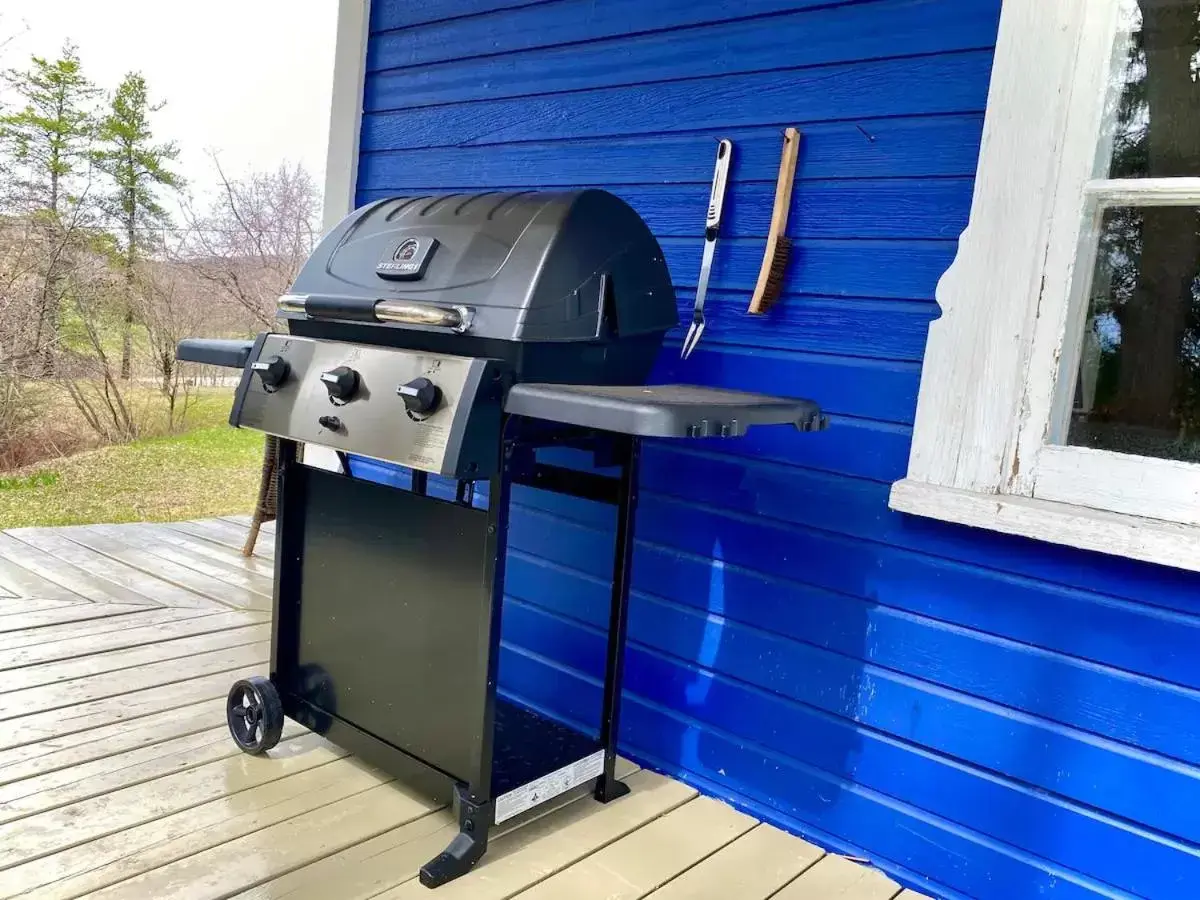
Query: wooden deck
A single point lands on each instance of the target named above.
(118, 778)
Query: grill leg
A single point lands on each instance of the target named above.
(420, 482)
(476, 807)
(607, 786)
(466, 847)
(464, 495)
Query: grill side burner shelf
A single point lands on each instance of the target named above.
(456, 336)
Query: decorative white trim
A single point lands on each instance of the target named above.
(976, 356)
(1055, 323)
(1149, 540)
(991, 403)
(345, 114)
(1120, 483)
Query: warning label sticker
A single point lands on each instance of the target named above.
(429, 445)
(529, 795)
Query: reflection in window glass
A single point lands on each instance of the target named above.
(1138, 389)
(1156, 120)
(1138, 384)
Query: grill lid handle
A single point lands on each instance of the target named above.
(365, 309)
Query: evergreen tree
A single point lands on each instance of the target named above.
(48, 142)
(138, 169)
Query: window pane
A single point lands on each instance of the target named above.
(1138, 389)
(1156, 120)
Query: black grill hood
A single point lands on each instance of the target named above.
(530, 269)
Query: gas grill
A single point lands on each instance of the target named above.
(464, 336)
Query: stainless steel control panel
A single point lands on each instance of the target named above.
(427, 411)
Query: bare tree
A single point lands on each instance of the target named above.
(89, 374)
(18, 314)
(254, 237)
(174, 304)
(31, 248)
(36, 259)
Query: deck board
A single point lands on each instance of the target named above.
(118, 778)
(131, 658)
(27, 572)
(555, 842)
(58, 559)
(140, 617)
(276, 850)
(84, 644)
(223, 570)
(127, 681)
(29, 728)
(754, 867)
(650, 857)
(76, 612)
(66, 826)
(224, 534)
(101, 776)
(121, 573)
(9, 605)
(390, 862)
(364, 868)
(134, 851)
(836, 878)
(201, 548)
(76, 750)
(162, 564)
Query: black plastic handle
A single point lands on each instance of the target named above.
(215, 352)
(350, 309)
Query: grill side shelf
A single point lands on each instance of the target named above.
(230, 354)
(673, 410)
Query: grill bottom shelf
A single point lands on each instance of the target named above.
(535, 758)
(529, 745)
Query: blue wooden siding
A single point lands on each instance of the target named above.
(979, 715)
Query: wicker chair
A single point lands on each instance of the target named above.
(267, 506)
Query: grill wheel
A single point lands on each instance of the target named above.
(255, 714)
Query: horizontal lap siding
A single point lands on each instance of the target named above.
(980, 715)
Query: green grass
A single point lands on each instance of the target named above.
(24, 482)
(209, 470)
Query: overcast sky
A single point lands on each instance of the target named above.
(250, 79)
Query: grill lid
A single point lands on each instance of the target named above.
(531, 266)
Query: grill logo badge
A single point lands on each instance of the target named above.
(407, 259)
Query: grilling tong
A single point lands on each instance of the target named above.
(712, 226)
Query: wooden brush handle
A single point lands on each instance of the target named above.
(783, 184)
(779, 215)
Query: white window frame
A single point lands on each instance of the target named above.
(1011, 307)
(341, 158)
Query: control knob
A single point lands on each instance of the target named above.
(273, 371)
(341, 382)
(420, 396)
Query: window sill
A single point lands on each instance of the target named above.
(1149, 540)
